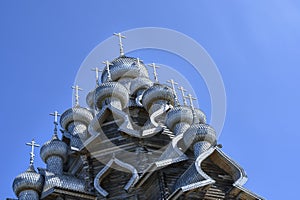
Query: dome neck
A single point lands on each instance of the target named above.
(30, 168)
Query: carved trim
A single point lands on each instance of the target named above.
(105, 171)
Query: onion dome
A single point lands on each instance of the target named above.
(54, 147)
(111, 90)
(75, 114)
(90, 99)
(155, 93)
(124, 66)
(75, 121)
(201, 117)
(179, 114)
(140, 83)
(199, 133)
(28, 180)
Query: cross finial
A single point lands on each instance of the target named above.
(173, 83)
(32, 144)
(96, 70)
(154, 66)
(55, 114)
(120, 36)
(107, 64)
(183, 95)
(76, 88)
(191, 98)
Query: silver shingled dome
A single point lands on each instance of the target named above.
(111, 90)
(198, 133)
(124, 66)
(157, 92)
(28, 180)
(179, 114)
(54, 147)
(75, 114)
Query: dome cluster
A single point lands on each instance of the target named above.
(126, 79)
(125, 85)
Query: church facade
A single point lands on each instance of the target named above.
(134, 141)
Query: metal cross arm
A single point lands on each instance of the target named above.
(55, 114)
(96, 70)
(173, 83)
(32, 144)
(77, 89)
(183, 94)
(154, 66)
(191, 98)
(120, 36)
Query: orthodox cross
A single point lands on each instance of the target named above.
(97, 70)
(173, 83)
(55, 114)
(120, 36)
(154, 66)
(183, 94)
(76, 88)
(191, 98)
(107, 64)
(32, 144)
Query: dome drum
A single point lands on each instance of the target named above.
(180, 128)
(55, 164)
(200, 147)
(28, 195)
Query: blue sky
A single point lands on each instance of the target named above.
(254, 44)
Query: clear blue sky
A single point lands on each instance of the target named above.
(254, 44)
